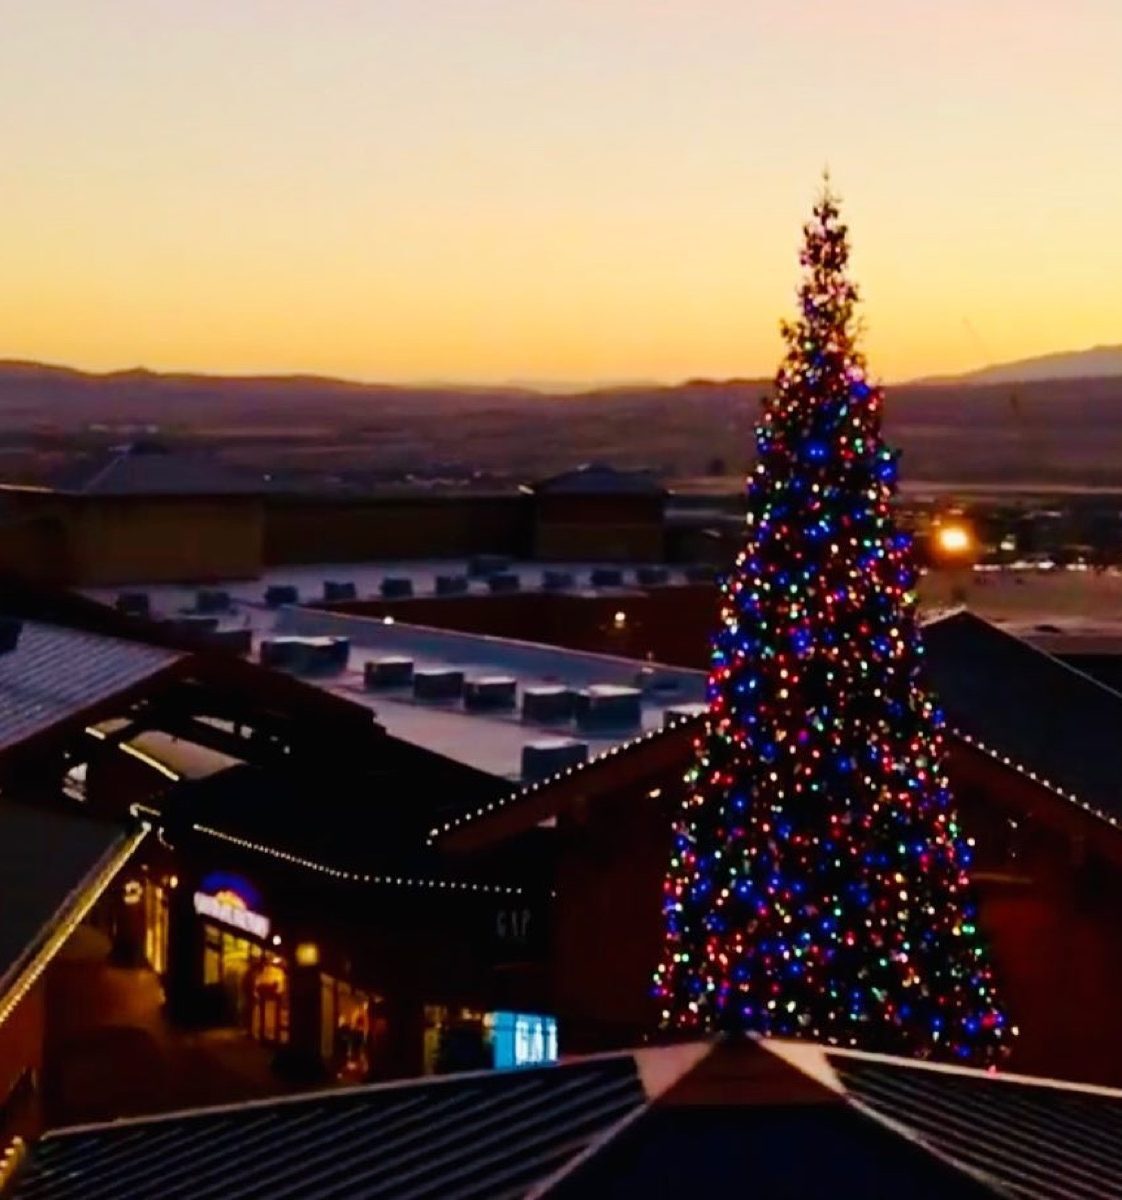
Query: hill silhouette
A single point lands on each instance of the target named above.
(1097, 363)
(1062, 430)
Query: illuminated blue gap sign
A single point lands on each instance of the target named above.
(523, 1040)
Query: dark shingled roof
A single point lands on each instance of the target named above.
(599, 479)
(45, 859)
(743, 1121)
(1033, 1138)
(787, 1121)
(1019, 701)
(1047, 718)
(55, 673)
(149, 469)
(487, 1136)
(805, 1122)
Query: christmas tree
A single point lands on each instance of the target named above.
(818, 884)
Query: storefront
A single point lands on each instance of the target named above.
(334, 968)
(461, 1039)
(352, 1026)
(354, 991)
(155, 893)
(244, 970)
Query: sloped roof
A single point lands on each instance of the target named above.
(1043, 714)
(46, 860)
(743, 1121)
(55, 673)
(357, 839)
(800, 1120)
(149, 469)
(776, 1119)
(599, 479)
(1031, 1137)
(1043, 717)
(482, 1136)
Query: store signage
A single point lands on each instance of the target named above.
(512, 924)
(229, 908)
(523, 1039)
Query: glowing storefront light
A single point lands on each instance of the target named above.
(230, 909)
(522, 1039)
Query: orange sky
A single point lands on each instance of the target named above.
(550, 189)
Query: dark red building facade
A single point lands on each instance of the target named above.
(1048, 865)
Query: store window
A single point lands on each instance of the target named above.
(252, 981)
(464, 1039)
(352, 1025)
(156, 926)
(523, 1039)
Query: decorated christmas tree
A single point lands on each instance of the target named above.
(818, 884)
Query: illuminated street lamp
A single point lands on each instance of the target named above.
(954, 540)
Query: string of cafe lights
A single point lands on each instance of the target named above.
(451, 885)
(46, 953)
(1007, 761)
(519, 794)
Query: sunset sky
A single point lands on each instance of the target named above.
(550, 189)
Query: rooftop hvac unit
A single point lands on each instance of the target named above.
(548, 705)
(382, 673)
(236, 641)
(606, 707)
(652, 680)
(652, 576)
(438, 683)
(451, 585)
(211, 600)
(397, 587)
(306, 655)
(607, 577)
(542, 759)
(133, 604)
(490, 692)
(683, 712)
(10, 630)
(504, 582)
(326, 655)
(335, 589)
(192, 626)
(482, 565)
(557, 581)
(282, 653)
(277, 594)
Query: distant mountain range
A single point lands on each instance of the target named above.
(43, 379)
(1056, 418)
(1100, 362)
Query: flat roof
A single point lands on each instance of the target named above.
(1005, 698)
(171, 600)
(488, 741)
(493, 742)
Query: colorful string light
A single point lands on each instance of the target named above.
(818, 884)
